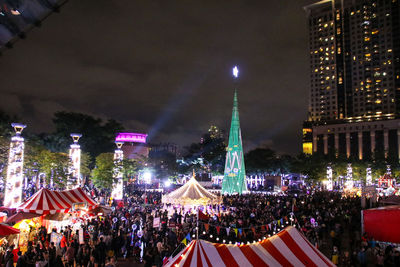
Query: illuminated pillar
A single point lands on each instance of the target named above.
(75, 158)
(329, 177)
(314, 145)
(372, 143)
(118, 186)
(360, 146)
(388, 170)
(369, 176)
(325, 144)
(398, 143)
(349, 177)
(348, 145)
(386, 142)
(336, 144)
(15, 176)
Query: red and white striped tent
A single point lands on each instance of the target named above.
(287, 248)
(46, 201)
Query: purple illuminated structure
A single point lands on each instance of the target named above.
(131, 137)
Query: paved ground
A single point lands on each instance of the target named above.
(129, 263)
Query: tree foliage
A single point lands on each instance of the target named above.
(211, 151)
(97, 136)
(102, 174)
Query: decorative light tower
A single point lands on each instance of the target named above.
(369, 176)
(118, 186)
(329, 175)
(75, 157)
(388, 170)
(15, 177)
(235, 174)
(349, 177)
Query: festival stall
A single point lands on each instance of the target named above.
(54, 209)
(382, 223)
(191, 193)
(46, 201)
(287, 248)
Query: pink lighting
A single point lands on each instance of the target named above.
(131, 137)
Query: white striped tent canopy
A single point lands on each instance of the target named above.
(46, 201)
(287, 248)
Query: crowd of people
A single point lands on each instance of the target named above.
(330, 221)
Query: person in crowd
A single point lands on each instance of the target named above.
(9, 257)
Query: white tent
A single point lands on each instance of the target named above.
(191, 193)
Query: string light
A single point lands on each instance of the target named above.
(230, 242)
(204, 232)
(217, 238)
(223, 241)
(193, 236)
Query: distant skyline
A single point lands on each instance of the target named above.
(165, 68)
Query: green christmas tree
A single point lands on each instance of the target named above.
(235, 174)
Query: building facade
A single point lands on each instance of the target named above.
(355, 78)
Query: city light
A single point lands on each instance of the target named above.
(167, 183)
(131, 137)
(147, 177)
(235, 72)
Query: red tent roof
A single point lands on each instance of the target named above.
(46, 201)
(382, 223)
(287, 248)
(6, 230)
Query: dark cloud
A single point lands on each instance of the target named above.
(164, 67)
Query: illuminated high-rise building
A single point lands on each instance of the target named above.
(355, 78)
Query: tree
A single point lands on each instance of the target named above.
(209, 154)
(260, 160)
(163, 162)
(33, 159)
(97, 137)
(313, 166)
(130, 168)
(359, 170)
(56, 166)
(5, 124)
(4, 148)
(86, 161)
(103, 173)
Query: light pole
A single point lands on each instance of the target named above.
(118, 186)
(75, 158)
(15, 176)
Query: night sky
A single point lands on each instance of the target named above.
(164, 68)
